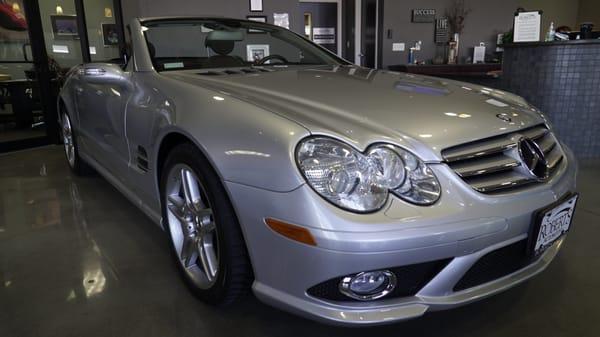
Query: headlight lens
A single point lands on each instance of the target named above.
(421, 186)
(361, 182)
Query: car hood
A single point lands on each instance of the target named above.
(364, 106)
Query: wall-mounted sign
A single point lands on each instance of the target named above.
(110, 35)
(442, 34)
(257, 52)
(256, 5)
(423, 15)
(64, 26)
(528, 26)
(324, 35)
(281, 20)
(60, 49)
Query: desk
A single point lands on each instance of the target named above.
(486, 74)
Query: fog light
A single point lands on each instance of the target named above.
(369, 285)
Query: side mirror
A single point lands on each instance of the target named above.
(102, 73)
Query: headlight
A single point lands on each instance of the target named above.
(361, 182)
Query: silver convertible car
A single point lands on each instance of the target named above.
(347, 195)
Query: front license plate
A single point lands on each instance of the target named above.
(553, 223)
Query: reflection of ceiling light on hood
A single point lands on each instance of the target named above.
(59, 10)
(464, 116)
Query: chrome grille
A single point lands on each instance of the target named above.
(493, 165)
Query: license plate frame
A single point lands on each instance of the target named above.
(533, 249)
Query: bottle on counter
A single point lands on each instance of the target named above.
(551, 33)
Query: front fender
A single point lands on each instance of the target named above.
(245, 144)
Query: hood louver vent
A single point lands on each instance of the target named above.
(241, 71)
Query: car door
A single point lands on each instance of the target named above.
(104, 92)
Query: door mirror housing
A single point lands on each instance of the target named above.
(102, 73)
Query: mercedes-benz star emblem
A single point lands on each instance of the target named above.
(533, 159)
(504, 117)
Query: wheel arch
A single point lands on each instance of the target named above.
(170, 141)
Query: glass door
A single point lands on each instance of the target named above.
(103, 31)
(39, 42)
(21, 115)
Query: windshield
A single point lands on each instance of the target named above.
(226, 43)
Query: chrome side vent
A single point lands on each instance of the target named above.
(142, 159)
(497, 164)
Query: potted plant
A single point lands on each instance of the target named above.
(456, 14)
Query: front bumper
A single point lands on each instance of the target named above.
(410, 307)
(463, 226)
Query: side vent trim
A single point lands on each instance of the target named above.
(142, 159)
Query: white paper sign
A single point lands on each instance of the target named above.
(256, 5)
(324, 35)
(58, 49)
(527, 27)
(398, 46)
(479, 53)
(281, 20)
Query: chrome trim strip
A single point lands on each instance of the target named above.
(554, 157)
(499, 183)
(480, 150)
(546, 143)
(485, 166)
(535, 133)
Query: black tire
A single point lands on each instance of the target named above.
(234, 276)
(77, 165)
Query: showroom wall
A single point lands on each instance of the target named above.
(589, 10)
(487, 19)
(71, 47)
(229, 8)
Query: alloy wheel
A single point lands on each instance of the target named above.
(192, 226)
(69, 145)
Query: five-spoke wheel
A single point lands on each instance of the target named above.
(207, 239)
(78, 166)
(192, 225)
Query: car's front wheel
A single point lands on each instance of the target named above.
(201, 223)
(77, 165)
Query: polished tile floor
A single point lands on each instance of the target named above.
(77, 259)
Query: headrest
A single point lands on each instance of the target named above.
(222, 42)
(221, 47)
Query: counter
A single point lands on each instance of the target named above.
(563, 80)
(486, 74)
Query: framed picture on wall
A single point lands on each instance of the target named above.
(256, 5)
(110, 35)
(64, 26)
(257, 18)
(256, 52)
